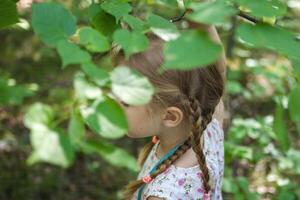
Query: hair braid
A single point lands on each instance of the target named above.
(200, 120)
(133, 186)
(144, 153)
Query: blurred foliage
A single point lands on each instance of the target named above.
(59, 98)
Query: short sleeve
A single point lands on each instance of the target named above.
(215, 155)
(215, 146)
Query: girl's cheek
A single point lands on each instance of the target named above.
(139, 123)
(133, 134)
(138, 126)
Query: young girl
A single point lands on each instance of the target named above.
(185, 159)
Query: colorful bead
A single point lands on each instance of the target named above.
(154, 139)
(147, 179)
(206, 196)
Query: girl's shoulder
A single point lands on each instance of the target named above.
(185, 182)
(213, 146)
(181, 183)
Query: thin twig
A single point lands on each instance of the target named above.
(231, 38)
(247, 17)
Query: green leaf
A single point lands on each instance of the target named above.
(52, 22)
(191, 50)
(229, 185)
(243, 152)
(8, 13)
(135, 23)
(37, 114)
(156, 21)
(85, 89)
(131, 42)
(104, 22)
(50, 146)
(76, 128)
(98, 75)
(233, 151)
(166, 8)
(117, 8)
(71, 54)
(112, 154)
(234, 87)
(296, 66)
(214, 12)
(264, 35)
(12, 94)
(264, 8)
(93, 40)
(280, 128)
(170, 2)
(106, 118)
(162, 27)
(130, 86)
(294, 105)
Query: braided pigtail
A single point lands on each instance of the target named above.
(134, 185)
(146, 150)
(144, 153)
(200, 120)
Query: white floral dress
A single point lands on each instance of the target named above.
(179, 183)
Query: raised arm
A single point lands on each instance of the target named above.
(212, 31)
(219, 113)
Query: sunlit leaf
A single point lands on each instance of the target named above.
(106, 118)
(85, 89)
(38, 113)
(52, 146)
(162, 27)
(130, 86)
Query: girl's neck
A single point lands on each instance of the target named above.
(169, 140)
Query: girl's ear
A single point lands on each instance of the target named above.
(172, 116)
